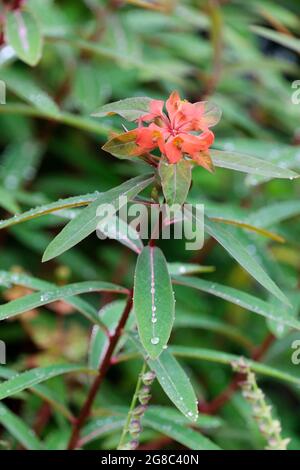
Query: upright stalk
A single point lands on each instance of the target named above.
(104, 366)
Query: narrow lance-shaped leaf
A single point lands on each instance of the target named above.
(130, 108)
(173, 380)
(279, 313)
(117, 229)
(70, 202)
(86, 222)
(280, 38)
(38, 299)
(154, 304)
(109, 315)
(221, 357)
(239, 252)
(18, 429)
(33, 377)
(25, 87)
(182, 434)
(176, 180)
(23, 34)
(19, 279)
(248, 164)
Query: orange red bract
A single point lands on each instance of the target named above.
(182, 130)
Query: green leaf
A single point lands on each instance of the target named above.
(279, 314)
(154, 304)
(7, 278)
(130, 108)
(117, 229)
(188, 268)
(46, 209)
(123, 146)
(102, 426)
(86, 222)
(35, 376)
(45, 393)
(176, 180)
(109, 315)
(210, 323)
(18, 429)
(188, 437)
(248, 164)
(274, 213)
(20, 161)
(23, 34)
(173, 380)
(7, 201)
(280, 38)
(24, 87)
(238, 250)
(38, 299)
(220, 357)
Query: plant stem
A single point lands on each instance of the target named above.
(132, 406)
(104, 366)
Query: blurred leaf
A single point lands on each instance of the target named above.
(18, 429)
(188, 268)
(248, 164)
(282, 39)
(236, 248)
(130, 109)
(279, 313)
(25, 88)
(22, 32)
(211, 355)
(154, 304)
(7, 201)
(185, 436)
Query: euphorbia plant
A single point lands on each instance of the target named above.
(171, 141)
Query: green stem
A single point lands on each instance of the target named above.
(132, 407)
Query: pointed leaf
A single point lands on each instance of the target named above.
(280, 38)
(280, 314)
(86, 222)
(23, 34)
(176, 180)
(35, 376)
(38, 299)
(188, 437)
(130, 108)
(173, 380)
(18, 429)
(248, 164)
(236, 248)
(154, 304)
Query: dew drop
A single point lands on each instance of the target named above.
(155, 340)
(154, 319)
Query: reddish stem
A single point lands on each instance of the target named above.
(105, 364)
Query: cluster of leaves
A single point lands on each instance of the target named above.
(241, 56)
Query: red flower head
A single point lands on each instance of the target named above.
(182, 130)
